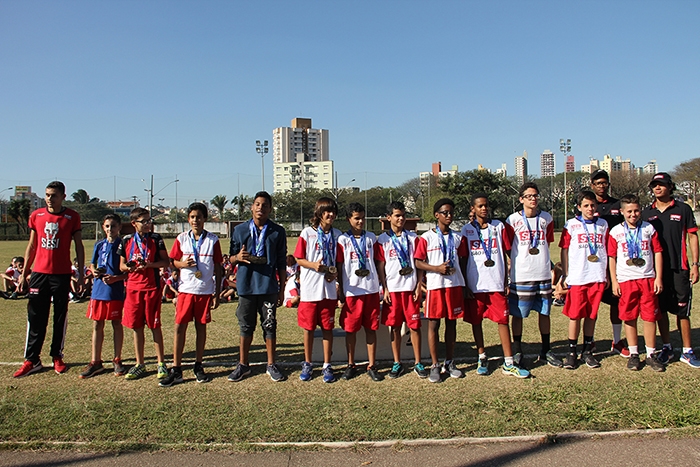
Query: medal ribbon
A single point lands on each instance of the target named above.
(634, 249)
(401, 247)
(196, 244)
(360, 249)
(142, 244)
(534, 239)
(447, 247)
(327, 244)
(592, 247)
(258, 238)
(104, 254)
(487, 250)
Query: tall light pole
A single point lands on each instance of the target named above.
(151, 194)
(176, 212)
(262, 149)
(565, 148)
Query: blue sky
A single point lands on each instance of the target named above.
(103, 94)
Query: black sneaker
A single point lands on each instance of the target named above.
(373, 373)
(174, 377)
(550, 359)
(239, 373)
(590, 360)
(275, 373)
(633, 363)
(349, 372)
(199, 373)
(570, 361)
(653, 362)
(396, 370)
(519, 361)
(93, 368)
(420, 370)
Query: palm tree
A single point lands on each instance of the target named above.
(240, 202)
(219, 201)
(19, 210)
(81, 197)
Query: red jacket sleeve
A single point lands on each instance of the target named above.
(176, 251)
(508, 237)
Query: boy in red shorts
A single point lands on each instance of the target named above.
(358, 289)
(584, 260)
(402, 287)
(107, 300)
(635, 262)
(197, 255)
(442, 254)
(316, 256)
(142, 255)
(487, 241)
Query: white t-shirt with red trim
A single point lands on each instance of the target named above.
(482, 278)
(314, 286)
(395, 282)
(209, 253)
(617, 246)
(354, 285)
(524, 266)
(290, 291)
(429, 249)
(576, 238)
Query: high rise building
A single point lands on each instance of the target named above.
(521, 167)
(651, 167)
(300, 157)
(547, 164)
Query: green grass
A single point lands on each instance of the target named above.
(106, 411)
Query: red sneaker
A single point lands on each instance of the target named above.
(28, 368)
(621, 349)
(58, 365)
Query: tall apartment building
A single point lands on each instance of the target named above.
(521, 167)
(300, 157)
(651, 167)
(436, 173)
(547, 164)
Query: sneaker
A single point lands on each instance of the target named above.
(199, 373)
(274, 373)
(633, 363)
(373, 373)
(690, 359)
(28, 368)
(349, 373)
(328, 376)
(558, 302)
(93, 368)
(513, 370)
(482, 367)
(174, 377)
(119, 369)
(162, 371)
(518, 360)
(550, 359)
(420, 370)
(396, 370)
(653, 362)
(13, 296)
(434, 373)
(450, 368)
(58, 366)
(665, 356)
(306, 371)
(136, 372)
(570, 362)
(590, 360)
(241, 372)
(620, 349)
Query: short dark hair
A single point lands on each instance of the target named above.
(114, 217)
(263, 194)
(526, 186)
(58, 186)
(630, 199)
(137, 212)
(353, 207)
(197, 206)
(441, 202)
(19, 259)
(477, 195)
(585, 194)
(398, 205)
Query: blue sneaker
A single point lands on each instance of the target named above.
(690, 359)
(306, 371)
(328, 376)
(665, 355)
(482, 367)
(512, 370)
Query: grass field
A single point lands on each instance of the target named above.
(107, 411)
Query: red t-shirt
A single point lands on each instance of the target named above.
(145, 278)
(54, 233)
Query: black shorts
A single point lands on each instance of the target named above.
(250, 306)
(677, 295)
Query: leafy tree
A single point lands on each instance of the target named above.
(241, 202)
(19, 210)
(686, 175)
(623, 183)
(82, 197)
(91, 211)
(219, 201)
(461, 186)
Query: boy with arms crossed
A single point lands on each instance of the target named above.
(584, 260)
(487, 241)
(358, 289)
(401, 282)
(530, 272)
(51, 231)
(636, 266)
(197, 254)
(142, 255)
(107, 300)
(259, 248)
(442, 253)
(316, 256)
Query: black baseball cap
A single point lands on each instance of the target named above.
(600, 173)
(661, 178)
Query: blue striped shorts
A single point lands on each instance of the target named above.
(524, 297)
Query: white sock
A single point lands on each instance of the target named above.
(326, 365)
(687, 349)
(508, 360)
(483, 355)
(633, 349)
(650, 351)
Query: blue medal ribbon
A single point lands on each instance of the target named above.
(258, 238)
(448, 249)
(592, 246)
(104, 254)
(327, 244)
(487, 250)
(360, 249)
(142, 244)
(401, 247)
(634, 249)
(534, 239)
(196, 244)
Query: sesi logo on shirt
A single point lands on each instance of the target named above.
(50, 242)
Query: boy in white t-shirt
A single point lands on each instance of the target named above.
(358, 289)
(584, 260)
(487, 242)
(636, 265)
(401, 281)
(530, 272)
(442, 254)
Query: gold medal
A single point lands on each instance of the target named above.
(489, 263)
(198, 274)
(593, 258)
(450, 271)
(362, 272)
(332, 270)
(406, 271)
(534, 251)
(639, 262)
(630, 262)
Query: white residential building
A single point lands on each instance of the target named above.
(300, 157)
(547, 164)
